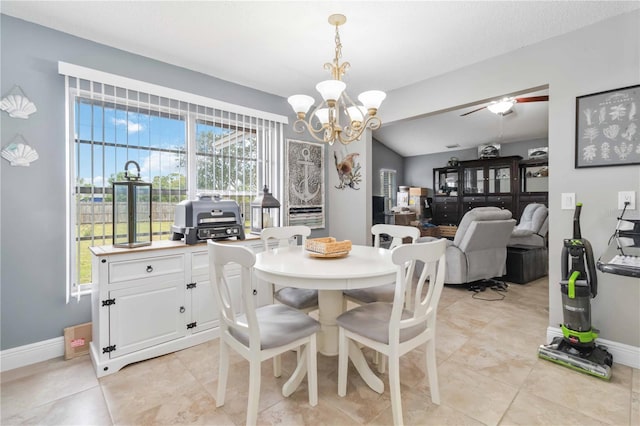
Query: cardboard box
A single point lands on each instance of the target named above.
(418, 191)
(448, 231)
(418, 204)
(403, 199)
(404, 218)
(76, 340)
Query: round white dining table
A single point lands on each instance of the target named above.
(363, 267)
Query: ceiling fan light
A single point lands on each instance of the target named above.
(502, 106)
(330, 90)
(372, 99)
(300, 103)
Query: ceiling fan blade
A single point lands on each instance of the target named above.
(533, 99)
(475, 110)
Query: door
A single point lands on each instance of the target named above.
(146, 315)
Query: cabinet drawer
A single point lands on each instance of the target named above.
(500, 199)
(145, 268)
(445, 200)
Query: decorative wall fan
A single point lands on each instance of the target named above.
(504, 106)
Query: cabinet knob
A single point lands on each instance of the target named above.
(149, 268)
(182, 309)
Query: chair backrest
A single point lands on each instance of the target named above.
(221, 255)
(284, 235)
(535, 218)
(396, 232)
(423, 309)
(484, 228)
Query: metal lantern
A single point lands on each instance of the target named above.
(131, 210)
(265, 212)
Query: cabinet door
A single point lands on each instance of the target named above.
(500, 179)
(146, 315)
(474, 180)
(203, 308)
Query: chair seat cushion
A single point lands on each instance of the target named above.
(299, 298)
(372, 321)
(279, 325)
(382, 293)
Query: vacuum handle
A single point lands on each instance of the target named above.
(576, 222)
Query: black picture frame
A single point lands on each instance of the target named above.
(608, 128)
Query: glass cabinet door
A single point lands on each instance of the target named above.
(446, 182)
(534, 178)
(499, 179)
(474, 180)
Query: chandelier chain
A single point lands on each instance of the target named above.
(338, 46)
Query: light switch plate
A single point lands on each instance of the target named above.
(568, 200)
(628, 196)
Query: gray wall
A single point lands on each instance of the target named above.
(418, 170)
(385, 158)
(599, 57)
(32, 239)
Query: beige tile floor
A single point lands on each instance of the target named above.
(487, 362)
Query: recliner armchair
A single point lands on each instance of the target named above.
(533, 227)
(479, 248)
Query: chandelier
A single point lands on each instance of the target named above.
(325, 122)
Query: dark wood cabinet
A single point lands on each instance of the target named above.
(534, 183)
(505, 182)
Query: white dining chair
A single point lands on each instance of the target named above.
(303, 299)
(393, 330)
(259, 333)
(383, 293)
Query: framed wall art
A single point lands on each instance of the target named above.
(304, 183)
(607, 128)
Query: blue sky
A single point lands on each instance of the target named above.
(128, 128)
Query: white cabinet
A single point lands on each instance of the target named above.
(154, 300)
(144, 316)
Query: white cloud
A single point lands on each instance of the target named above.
(131, 126)
(98, 181)
(159, 164)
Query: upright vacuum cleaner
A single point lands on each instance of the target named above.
(577, 349)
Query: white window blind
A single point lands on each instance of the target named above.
(185, 145)
(388, 187)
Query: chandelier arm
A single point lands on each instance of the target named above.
(300, 125)
(332, 130)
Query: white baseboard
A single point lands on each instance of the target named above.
(622, 354)
(53, 348)
(31, 354)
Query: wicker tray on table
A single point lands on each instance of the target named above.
(327, 247)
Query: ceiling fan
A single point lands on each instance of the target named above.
(504, 106)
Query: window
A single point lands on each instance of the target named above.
(388, 185)
(184, 144)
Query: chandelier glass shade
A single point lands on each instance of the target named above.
(337, 117)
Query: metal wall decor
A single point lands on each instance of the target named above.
(607, 128)
(17, 105)
(19, 153)
(304, 183)
(349, 170)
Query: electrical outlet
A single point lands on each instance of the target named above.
(568, 200)
(627, 196)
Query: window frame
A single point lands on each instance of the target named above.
(268, 160)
